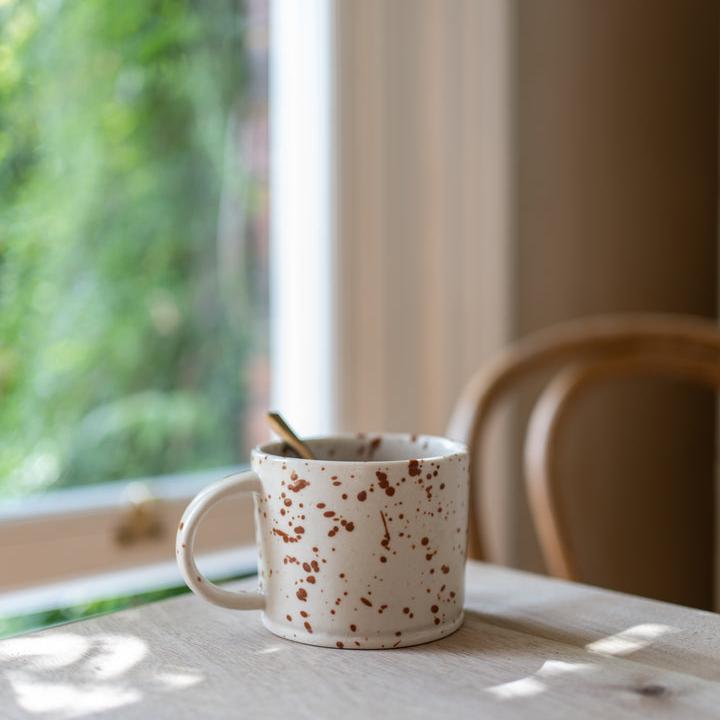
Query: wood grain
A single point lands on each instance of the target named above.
(530, 647)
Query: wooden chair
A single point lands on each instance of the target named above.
(580, 353)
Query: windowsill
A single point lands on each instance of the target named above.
(238, 561)
(62, 535)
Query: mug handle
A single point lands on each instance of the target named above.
(245, 482)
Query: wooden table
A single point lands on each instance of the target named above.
(531, 647)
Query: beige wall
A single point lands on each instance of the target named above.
(422, 133)
(615, 198)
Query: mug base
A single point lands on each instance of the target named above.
(353, 642)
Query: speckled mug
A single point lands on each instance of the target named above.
(362, 548)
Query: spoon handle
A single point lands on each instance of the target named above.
(281, 428)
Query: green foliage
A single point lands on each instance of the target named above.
(122, 332)
(36, 621)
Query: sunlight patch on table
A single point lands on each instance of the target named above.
(531, 685)
(46, 652)
(178, 681)
(269, 650)
(631, 640)
(116, 654)
(552, 668)
(68, 701)
(525, 687)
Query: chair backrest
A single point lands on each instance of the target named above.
(579, 352)
(550, 418)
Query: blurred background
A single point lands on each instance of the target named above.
(343, 210)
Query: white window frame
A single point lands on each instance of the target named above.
(68, 533)
(303, 264)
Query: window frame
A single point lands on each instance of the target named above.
(73, 532)
(69, 534)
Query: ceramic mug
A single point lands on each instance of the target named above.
(363, 547)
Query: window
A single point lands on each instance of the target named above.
(133, 270)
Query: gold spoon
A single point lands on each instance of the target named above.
(281, 428)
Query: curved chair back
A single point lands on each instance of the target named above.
(579, 352)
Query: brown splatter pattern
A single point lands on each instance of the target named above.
(319, 577)
(298, 485)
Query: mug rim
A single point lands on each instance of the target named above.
(452, 448)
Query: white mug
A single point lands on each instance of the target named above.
(363, 547)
